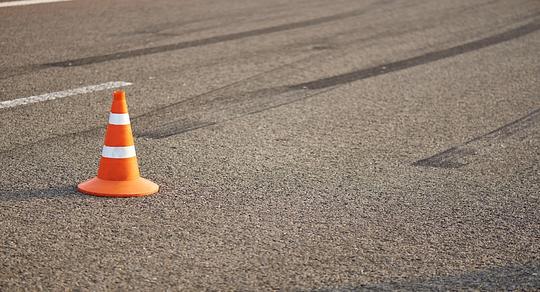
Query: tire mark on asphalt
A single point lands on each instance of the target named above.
(234, 107)
(278, 96)
(229, 17)
(6, 73)
(155, 112)
(520, 31)
(175, 128)
(454, 157)
(419, 60)
(192, 125)
(205, 41)
(519, 276)
(317, 84)
(282, 89)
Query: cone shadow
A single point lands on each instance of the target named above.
(68, 191)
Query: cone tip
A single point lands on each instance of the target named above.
(119, 104)
(119, 94)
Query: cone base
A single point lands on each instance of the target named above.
(120, 189)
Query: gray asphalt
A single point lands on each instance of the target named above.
(299, 145)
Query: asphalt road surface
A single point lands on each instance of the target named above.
(299, 145)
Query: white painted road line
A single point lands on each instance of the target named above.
(27, 2)
(61, 94)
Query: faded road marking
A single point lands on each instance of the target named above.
(61, 94)
(28, 2)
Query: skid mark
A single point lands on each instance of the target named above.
(419, 60)
(205, 41)
(454, 157)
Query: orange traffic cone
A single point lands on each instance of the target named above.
(118, 173)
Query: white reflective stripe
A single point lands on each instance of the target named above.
(118, 152)
(119, 119)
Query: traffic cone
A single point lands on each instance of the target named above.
(118, 173)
